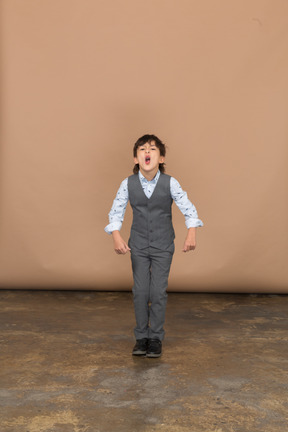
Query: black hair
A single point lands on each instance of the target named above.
(159, 144)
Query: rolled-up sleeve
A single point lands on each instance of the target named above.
(185, 205)
(117, 212)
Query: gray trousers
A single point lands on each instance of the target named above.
(151, 269)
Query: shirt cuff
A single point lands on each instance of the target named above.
(193, 223)
(113, 226)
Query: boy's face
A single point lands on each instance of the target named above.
(148, 157)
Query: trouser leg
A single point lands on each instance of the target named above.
(141, 275)
(160, 268)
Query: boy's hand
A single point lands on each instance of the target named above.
(120, 246)
(190, 241)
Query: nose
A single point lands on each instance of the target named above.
(147, 150)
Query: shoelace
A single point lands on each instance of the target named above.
(153, 343)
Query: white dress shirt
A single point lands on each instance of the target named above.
(117, 212)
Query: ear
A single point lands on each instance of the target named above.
(136, 160)
(162, 159)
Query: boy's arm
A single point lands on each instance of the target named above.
(117, 212)
(116, 216)
(189, 211)
(120, 246)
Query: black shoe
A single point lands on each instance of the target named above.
(154, 348)
(140, 347)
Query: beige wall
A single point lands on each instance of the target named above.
(82, 80)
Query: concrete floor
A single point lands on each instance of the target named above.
(66, 364)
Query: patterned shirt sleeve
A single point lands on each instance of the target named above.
(117, 212)
(184, 204)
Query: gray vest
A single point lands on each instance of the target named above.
(152, 217)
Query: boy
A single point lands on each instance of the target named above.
(151, 243)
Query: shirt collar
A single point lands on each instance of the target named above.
(144, 180)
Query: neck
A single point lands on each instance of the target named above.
(149, 175)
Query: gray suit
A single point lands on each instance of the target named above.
(152, 247)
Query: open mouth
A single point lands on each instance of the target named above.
(147, 159)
